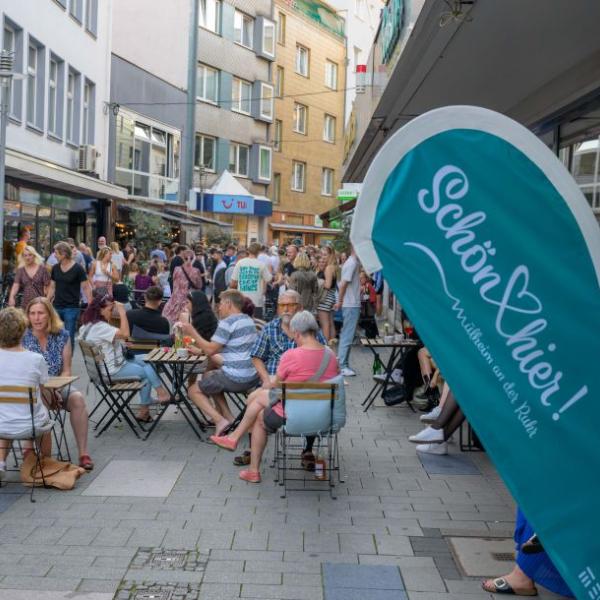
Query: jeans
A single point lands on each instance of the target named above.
(69, 317)
(351, 316)
(144, 371)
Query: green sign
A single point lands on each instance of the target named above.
(392, 18)
(321, 14)
(494, 253)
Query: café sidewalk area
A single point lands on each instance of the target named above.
(169, 519)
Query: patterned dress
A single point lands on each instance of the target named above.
(181, 288)
(32, 287)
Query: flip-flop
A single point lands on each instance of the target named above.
(501, 586)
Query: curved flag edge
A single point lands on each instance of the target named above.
(450, 118)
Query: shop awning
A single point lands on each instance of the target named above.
(304, 228)
(229, 196)
(197, 219)
(335, 213)
(163, 215)
(42, 172)
(534, 60)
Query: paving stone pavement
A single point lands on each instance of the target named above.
(230, 539)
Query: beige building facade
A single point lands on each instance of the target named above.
(308, 130)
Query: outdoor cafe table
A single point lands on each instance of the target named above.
(396, 357)
(57, 384)
(173, 371)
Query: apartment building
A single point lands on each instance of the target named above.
(56, 169)
(234, 113)
(307, 136)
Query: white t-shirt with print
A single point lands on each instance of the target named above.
(252, 276)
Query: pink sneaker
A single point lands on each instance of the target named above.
(250, 476)
(223, 441)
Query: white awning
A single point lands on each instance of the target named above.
(42, 172)
(304, 228)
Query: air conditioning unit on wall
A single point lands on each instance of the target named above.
(87, 159)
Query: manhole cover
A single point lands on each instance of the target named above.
(169, 559)
(153, 595)
(503, 556)
(481, 557)
(163, 559)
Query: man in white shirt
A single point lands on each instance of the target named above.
(250, 276)
(349, 301)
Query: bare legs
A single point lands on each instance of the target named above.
(325, 323)
(257, 401)
(517, 580)
(218, 413)
(451, 417)
(258, 443)
(78, 415)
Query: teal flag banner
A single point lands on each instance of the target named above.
(494, 253)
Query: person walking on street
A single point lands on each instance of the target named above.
(31, 278)
(349, 301)
(186, 278)
(68, 281)
(250, 276)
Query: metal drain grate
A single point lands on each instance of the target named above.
(503, 556)
(163, 559)
(154, 595)
(169, 559)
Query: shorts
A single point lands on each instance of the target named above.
(272, 420)
(216, 382)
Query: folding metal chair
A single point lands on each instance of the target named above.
(17, 394)
(116, 393)
(308, 408)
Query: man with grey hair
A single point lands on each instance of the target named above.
(275, 338)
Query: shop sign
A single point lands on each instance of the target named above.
(391, 24)
(241, 205)
(494, 253)
(347, 195)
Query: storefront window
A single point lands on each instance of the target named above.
(583, 159)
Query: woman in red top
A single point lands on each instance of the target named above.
(264, 413)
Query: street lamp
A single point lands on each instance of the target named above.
(6, 77)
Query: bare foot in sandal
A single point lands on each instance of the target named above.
(515, 583)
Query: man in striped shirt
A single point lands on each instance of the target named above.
(232, 342)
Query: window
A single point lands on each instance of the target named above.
(264, 163)
(241, 96)
(302, 59)
(89, 98)
(208, 84)
(76, 9)
(281, 29)
(91, 16)
(279, 82)
(298, 176)
(243, 29)
(70, 104)
(147, 158)
(238, 159)
(276, 197)
(55, 96)
(205, 152)
(35, 84)
(331, 74)
(329, 129)
(278, 133)
(266, 101)
(327, 182)
(268, 38)
(300, 118)
(210, 15)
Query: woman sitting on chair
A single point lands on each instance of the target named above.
(264, 413)
(47, 336)
(97, 330)
(19, 367)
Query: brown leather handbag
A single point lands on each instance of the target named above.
(56, 474)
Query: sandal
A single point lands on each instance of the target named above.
(308, 461)
(242, 460)
(144, 419)
(86, 462)
(501, 586)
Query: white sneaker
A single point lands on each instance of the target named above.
(348, 372)
(429, 435)
(433, 448)
(431, 415)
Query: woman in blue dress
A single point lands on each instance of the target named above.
(529, 569)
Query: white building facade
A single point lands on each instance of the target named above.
(57, 134)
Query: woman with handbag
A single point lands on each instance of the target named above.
(309, 361)
(47, 336)
(97, 330)
(186, 279)
(102, 271)
(31, 279)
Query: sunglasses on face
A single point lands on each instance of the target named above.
(287, 304)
